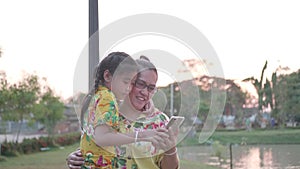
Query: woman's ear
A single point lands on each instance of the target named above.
(107, 76)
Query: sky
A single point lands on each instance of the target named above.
(47, 37)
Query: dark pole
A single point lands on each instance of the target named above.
(230, 153)
(93, 40)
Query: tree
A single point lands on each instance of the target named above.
(236, 99)
(3, 91)
(20, 100)
(258, 84)
(291, 103)
(268, 95)
(4, 97)
(49, 110)
(26, 101)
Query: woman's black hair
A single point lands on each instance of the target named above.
(111, 62)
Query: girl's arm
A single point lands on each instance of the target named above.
(104, 136)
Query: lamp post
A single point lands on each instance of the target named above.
(93, 40)
(171, 99)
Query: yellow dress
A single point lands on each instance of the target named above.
(103, 109)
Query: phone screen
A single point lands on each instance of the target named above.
(175, 121)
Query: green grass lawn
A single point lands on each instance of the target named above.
(278, 136)
(52, 159)
(55, 159)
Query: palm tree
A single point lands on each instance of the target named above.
(259, 86)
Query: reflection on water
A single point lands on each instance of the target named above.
(251, 159)
(246, 157)
(266, 157)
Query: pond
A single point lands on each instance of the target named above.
(245, 157)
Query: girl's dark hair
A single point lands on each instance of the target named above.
(111, 63)
(144, 64)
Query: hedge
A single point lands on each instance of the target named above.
(32, 145)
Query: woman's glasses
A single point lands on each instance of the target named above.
(142, 85)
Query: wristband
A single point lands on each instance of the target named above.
(136, 136)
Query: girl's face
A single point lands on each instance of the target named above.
(121, 84)
(143, 89)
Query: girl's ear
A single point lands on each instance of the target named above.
(107, 76)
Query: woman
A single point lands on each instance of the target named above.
(138, 114)
(102, 144)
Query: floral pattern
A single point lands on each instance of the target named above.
(145, 154)
(103, 109)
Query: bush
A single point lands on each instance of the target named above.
(10, 149)
(67, 139)
(30, 146)
(45, 142)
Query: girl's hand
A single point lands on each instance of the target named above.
(75, 160)
(156, 136)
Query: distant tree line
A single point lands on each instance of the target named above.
(30, 99)
(281, 95)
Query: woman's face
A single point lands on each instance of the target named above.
(143, 89)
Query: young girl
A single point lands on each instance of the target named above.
(100, 124)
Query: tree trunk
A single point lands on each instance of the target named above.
(20, 127)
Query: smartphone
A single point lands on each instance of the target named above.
(175, 121)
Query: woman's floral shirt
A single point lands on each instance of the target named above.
(140, 155)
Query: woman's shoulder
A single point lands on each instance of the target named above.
(156, 119)
(161, 115)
